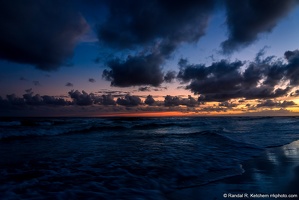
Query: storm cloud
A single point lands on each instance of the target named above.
(263, 78)
(155, 27)
(41, 33)
(247, 19)
(134, 71)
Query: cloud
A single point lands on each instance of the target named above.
(155, 27)
(41, 33)
(129, 100)
(247, 19)
(14, 100)
(169, 76)
(92, 80)
(295, 93)
(138, 23)
(28, 90)
(33, 100)
(271, 103)
(50, 100)
(227, 104)
(36, 83)
(135, 71)
(177, 101)
(108, 100)
(149, 100)
(22, 78)
(68, 84)
(292, 68)
(143, 89)
(263, 78)
(82, 99)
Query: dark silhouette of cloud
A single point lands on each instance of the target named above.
(82, 99)
(41, 33)
(22, 78)
(153, 20)
(28, 90)
(36, 83)
(50, 100)
(158, 28)
(177, 101)
(295, 93)
(129, 100)
(33, 100)
(170, 76)
(68, 84)
(228, 104)
(108, 100)
(271, 103)
(135, 71)
(14, 100)
(149, 100)
(247, 19)
(143, 89)
(92, 80)
(224, 80)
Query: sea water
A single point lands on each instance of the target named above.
(129, 158)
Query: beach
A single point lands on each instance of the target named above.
(272, 175)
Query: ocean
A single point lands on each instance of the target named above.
(129, 158)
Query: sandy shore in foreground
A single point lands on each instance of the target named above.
(276, 171)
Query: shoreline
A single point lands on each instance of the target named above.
(275, 171)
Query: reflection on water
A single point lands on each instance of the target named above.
(275, 171)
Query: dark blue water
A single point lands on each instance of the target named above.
(129, 158)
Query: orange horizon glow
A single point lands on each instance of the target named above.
(145, 114)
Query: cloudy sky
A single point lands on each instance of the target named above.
(149, 58)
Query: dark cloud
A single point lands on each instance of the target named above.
(82, 99)
(271, 103)
(138, 23)
(227, 104)
(92, 80)
(108, 100)
(292, 68)
(295, 93)
(149, 100)
(50, 100)
(68, 84)
(170, 76)
(28, 90)
(177, 101)
(33, 100)
(22, 78)
(247, 19)
(36, 83)
(158, 28)
(144, 89)
(134, 71)
(129, 100)
(224, 80)
(41, 33)
(14, 100)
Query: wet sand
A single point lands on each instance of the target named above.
(276, 171)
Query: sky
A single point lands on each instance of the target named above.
(149, 58)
